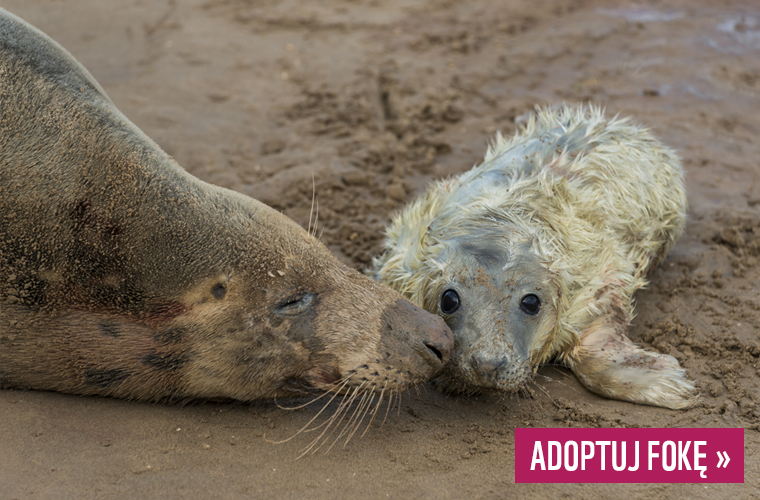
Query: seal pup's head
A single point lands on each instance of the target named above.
(499, 302)
(535, 255)
(496, 297)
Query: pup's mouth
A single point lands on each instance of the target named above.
(473, 374)
(502, 379)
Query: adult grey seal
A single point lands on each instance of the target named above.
(123, 275)
(535, 255)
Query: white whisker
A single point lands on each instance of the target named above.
(377, 408)
(304, 428)
(313, 196)
(388, 409)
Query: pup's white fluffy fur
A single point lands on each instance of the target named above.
(601, 202)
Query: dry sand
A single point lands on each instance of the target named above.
(375, 99)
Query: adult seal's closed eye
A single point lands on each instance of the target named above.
(536, 254)
(123, 275)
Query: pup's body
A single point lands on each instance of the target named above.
(536, 254)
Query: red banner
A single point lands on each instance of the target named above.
(629, 455)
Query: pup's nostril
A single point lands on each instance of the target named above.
(489, 367)
(501, 364)
(435, 350)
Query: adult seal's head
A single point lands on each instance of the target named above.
(123, 275)
(536, 253)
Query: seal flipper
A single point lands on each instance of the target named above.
(609, 364)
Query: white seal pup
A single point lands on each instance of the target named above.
(536, 254)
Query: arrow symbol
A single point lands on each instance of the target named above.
(720, 459)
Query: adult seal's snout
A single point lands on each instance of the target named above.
(434, 340)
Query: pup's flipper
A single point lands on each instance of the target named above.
(609, 364)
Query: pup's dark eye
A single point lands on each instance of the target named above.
(530, 304)
(295, 305)
(449, 301)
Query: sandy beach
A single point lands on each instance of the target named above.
(374, 100)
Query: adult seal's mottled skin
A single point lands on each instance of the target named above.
(536, 254)
(122, 275)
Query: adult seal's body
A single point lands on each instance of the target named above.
(123, 275)
(536, 254)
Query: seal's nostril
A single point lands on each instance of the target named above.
(489, 366)
(501, 364)
(435, 350)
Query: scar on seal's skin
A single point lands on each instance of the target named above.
(164, 311)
